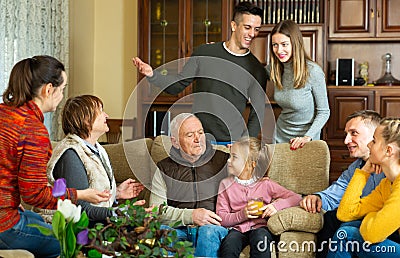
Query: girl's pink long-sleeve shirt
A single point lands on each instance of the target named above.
(233, 198)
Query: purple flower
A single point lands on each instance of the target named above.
(59, 188)
(82, 237)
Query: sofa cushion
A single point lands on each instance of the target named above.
(295, 219)
(305, 170)
(130, 160)
(297, 244)
(160, 148)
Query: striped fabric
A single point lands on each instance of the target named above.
(25, 149)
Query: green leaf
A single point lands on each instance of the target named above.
(45, 231)
(175, 225)
(71, 239)
(58, 224)
(82, 223)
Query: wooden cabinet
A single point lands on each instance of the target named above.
(168, 31)
(364, 19)
(343, 101)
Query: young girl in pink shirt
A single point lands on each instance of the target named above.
(247, 221)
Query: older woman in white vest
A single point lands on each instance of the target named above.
(83, 162)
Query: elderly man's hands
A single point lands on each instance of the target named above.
(203, 217)
(311, 203)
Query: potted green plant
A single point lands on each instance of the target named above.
(134, 232)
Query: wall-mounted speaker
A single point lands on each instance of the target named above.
(345, 71)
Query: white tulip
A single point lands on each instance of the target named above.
(69, 210)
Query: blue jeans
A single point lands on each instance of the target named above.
(209, 238)
(348, 242)
(22, 236)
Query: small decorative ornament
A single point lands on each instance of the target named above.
(387, 79)
(364, 72)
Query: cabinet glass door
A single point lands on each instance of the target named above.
(206, 21)
(164, 45)
(164, 39)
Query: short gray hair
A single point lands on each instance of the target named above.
(177, 122)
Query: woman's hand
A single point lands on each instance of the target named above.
(142, 67)
(129, 189)
(371, 167)
(269, 210)
(299, 142)
(93, 195)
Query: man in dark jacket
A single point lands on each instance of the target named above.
(188, 182)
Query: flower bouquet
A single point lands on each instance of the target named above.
(69, 226)
(133, 232)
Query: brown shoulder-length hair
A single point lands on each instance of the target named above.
(29, 75)
(299, 56)
(79, 114)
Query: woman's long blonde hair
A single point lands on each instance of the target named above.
(299, 56)
(391, 130)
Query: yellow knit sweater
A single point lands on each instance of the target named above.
(380, 209)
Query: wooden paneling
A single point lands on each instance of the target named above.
(364, 19)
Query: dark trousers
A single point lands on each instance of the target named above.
(259, 240)
(331, 224)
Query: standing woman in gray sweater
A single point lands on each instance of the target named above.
(300, 88)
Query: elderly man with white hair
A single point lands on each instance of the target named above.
(188, 182)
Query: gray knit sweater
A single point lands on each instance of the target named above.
(304, 110)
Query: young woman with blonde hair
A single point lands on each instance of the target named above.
(300, 88)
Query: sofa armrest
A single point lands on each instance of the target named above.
(295, 219)
(17, 253)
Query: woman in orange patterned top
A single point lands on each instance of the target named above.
(35, 87)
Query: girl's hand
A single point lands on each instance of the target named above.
(371, 167)
(299, 142)
(269, 210)
(251, 210)
(129, 189)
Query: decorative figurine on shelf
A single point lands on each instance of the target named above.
(364, 72)
(387, 79)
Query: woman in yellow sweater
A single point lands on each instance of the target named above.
(378, 234)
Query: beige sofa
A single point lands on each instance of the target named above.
(304, 171)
